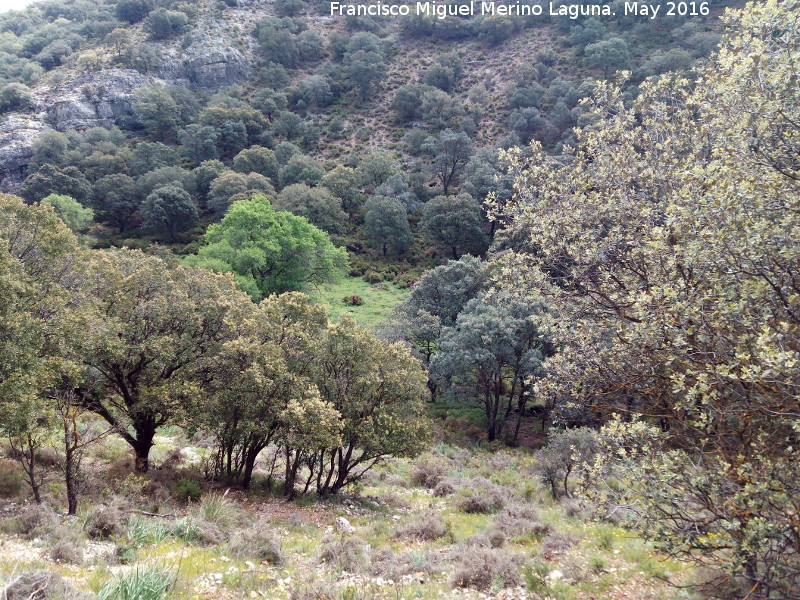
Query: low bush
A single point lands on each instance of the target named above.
(521, 521)
(142, 531)
(557, 543)
(37, 521)
(429, 526)
(485, 568)
(491, 538)
(38, 585)
(11, 478)
(446, 487)
(104, 522)
(260, 543)
(188, 490)
(346, 554)
(480, 495)
(575, 509)
(429, 471)
(314, 591)
(218, 509)
(353, 300)
(67, 551)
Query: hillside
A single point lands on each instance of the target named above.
(173, 73)
(314, 307)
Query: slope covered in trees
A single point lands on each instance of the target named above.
(614, 279)
(159, 114)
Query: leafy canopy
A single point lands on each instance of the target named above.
(269, 251)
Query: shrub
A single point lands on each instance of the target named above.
(347, 554)
(372, 276)
(480, 495)
(557, 543)
(446, 487)
(188, 490)
(37, 585)
(427, 527)
(429, 471)
(142, 531)
(314, 591)
(260, 543)
(196, 530)
(575, 508)
(491, 538)
(597, 563)
(566, 452)
(217, 509)
(104, 522)
(485, 568)
(67, 551)
(535, 575)
(521, 521)
(145, 582)
(37, 521)
(11, 479)
(353, 300)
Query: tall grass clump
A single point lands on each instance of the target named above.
(145, 582)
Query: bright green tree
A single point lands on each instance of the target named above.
(75, 216)
(269, 251)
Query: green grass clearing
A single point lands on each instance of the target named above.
(379, 300)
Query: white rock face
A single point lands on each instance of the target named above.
(17, 133)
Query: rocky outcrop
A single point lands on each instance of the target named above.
(101, 99)
(17, 133)
(207, 64)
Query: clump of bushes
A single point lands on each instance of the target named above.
(37, 521)
(429, 471)
(521, 521)
(346, 553)
(353, 300)
(485, 568)
(557, 543)
(11, 480)
(373, 277)
(446, 487)
(481, 496)
(67, 550)
(217, 509)
(38, 585)
(188, 490)
(491, 538)
(428, 527)
(260, 543)
(104, 522)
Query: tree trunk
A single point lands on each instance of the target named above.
(433, 388)
(37, 495)
(249, 465)
(141, 451)
(566, 478)
(70, 472)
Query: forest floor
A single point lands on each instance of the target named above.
(453, 523)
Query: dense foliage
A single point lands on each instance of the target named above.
(142, 342)
(666, 249)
